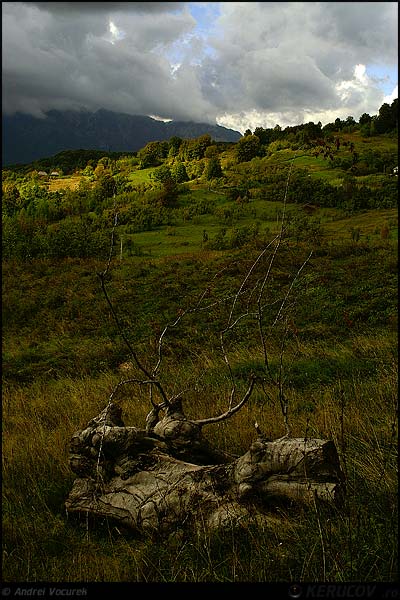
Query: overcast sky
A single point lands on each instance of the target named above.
(238, 64)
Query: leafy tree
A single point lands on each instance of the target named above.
(121, 183)
(365, 129)
(211, 151)
(395, 112)
(372, 127)
(213, 169)
(162, 174)
(88, 171)
(179, 173)
(247, 147)
(11, 198)
(125, 163)
(169, 193)
(200, 145)
(29, 190)
(263, 135)
(104, 187)
(194, 149)
(195, 168)
(173, 146)
(365, 119)
(387, 118)
(100, 170)
(311, 130)
(152, 154)
(327, 129)
(107, 162)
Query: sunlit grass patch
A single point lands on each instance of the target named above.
(72, 182)
(141, 175)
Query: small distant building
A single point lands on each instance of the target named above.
(42, 173)
(54, 174)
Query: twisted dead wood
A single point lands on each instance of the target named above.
(167, 476)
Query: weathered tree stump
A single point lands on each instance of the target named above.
(167, 477)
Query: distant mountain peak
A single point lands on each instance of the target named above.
(27, 138)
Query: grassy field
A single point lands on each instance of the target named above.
(185, 237)
(62, 356)
(72, 182)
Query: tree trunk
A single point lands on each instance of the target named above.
(166, 477)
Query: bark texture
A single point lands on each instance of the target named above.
(167, 477)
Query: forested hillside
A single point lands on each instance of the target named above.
(165, 184)
(175, 221)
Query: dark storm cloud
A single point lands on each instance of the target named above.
(278, 58)
(58, 59)
(93, 7)
(369, 27)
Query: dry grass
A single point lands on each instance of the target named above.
(70, 182)
(41, 543)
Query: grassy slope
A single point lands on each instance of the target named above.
(342, 386)
(187, 237)
(316, 166)
(321, 168)
(61, 358)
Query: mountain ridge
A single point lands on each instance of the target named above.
(26, 138)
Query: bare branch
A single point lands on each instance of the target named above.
(282, 397)
(231, 411)
(126, 382)
(160, 339)
(290, 288)
(249, 272)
